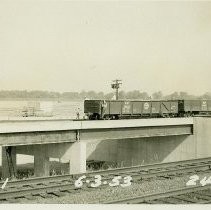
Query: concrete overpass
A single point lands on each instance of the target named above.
(28, 132)
(112, 140)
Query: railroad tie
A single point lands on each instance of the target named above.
(45, 195)
(171, 200)
(30, 197)
(188, 199)
(58, 193)
(202, 196)
(11, 200)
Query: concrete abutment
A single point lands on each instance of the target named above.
(159, 149)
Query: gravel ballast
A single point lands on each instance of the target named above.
(138, 188)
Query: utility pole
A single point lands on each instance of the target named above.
(116, 85)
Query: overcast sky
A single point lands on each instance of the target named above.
(74, 46)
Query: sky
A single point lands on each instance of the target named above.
(75, 45)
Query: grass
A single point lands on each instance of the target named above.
(25, 171)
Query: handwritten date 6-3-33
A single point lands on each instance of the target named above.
(117, 180)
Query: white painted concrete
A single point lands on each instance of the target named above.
(135, 123)
(77, 157)
(11, 126)
(35, 125)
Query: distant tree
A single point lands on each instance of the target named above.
(157, 95)
(88, 94)
(144, 95)
(54, 94)
(172, 96)
(122, 94)
(206, 96)
(135, 94)
(91, 94)
(183, 95)
(70, 95)
(100, 95)
(109, 96)
(82, 94)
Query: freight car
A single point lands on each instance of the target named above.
(194, 107)
(120, 109)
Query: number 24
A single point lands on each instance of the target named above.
(194, 178)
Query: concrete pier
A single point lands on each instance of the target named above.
(9, 168)
(41, 161)
(77, 157)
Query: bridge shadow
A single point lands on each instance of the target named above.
(129, 152)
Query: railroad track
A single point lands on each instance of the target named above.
(64, 184)
(188, 195)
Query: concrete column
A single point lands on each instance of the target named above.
(9, 168)
(41, 161)
(77, 157)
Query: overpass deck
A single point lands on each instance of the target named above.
(25, 132)
(35, 125)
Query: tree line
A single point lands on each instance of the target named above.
(135, 94)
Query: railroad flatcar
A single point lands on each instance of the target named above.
(110, 109)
